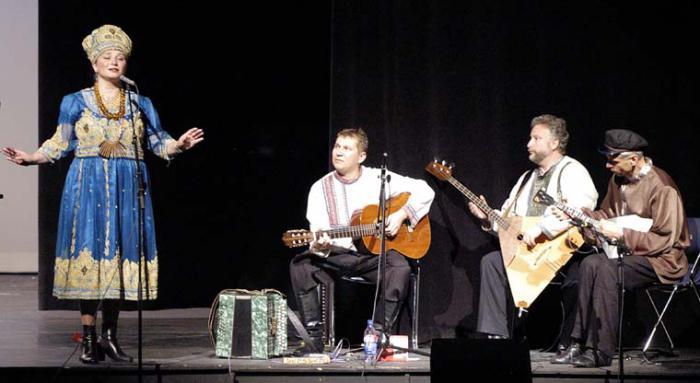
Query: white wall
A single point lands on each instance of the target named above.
(19, 126)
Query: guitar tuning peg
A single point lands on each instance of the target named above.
(444, 162)
(435, 159)
(452, 165)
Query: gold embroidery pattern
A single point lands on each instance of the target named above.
(92, 132)
(85, 277)
(58, 143)
(105, 165)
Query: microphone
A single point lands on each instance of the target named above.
(383, 174)
(127, 80)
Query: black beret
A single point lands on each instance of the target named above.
(623, 140)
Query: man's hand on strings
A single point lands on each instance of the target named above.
(478, 213)
(611, 229)
(322, 243)
(531, 235)
(394, 222)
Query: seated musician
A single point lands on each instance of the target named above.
(331, 204)
(636, 187)
(562, 177)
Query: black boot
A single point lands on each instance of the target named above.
(310, 311)
(90, 349)
(566, 355)
(110, 346)
(108, 340)
(391, 313)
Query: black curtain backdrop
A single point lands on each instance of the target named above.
(461, 80)
(455, 79)
(256, 80)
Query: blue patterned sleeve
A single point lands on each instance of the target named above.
(64, 140)
(157, 139)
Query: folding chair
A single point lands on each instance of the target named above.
(689, 282)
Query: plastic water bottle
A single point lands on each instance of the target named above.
(370, 342)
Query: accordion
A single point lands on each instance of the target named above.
(249, 324)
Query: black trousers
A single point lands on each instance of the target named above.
(307, 270)
(496, 304)
(597, 312)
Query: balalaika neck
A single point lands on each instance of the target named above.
(578, 215)
(492, 214)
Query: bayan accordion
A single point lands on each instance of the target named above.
(249, 323)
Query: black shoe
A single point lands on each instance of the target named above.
(592, 358)
(566, 355)
(111, 348)
(91, 352)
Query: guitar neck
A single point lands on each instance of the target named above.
(492, 214)
(357, 231)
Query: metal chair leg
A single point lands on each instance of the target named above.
(659, 320)
(327, 299)
(695, 290)
(415, 288)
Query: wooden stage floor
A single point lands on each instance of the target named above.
(37, 346)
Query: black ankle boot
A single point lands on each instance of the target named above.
(310, 310)
(111, 348)
(90, 349)
(567, 355)
(388, 325)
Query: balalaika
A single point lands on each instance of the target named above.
(529, 269)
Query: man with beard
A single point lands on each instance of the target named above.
(566, 179)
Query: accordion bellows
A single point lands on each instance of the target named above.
(249, 324)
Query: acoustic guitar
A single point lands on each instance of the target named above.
(529, 269)
(412, 242)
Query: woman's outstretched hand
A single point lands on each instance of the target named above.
(190, 138)
(17, 156)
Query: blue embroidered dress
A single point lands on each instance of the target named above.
(96, 249)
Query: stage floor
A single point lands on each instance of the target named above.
(37, 346)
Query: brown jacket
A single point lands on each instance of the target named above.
(655, 196)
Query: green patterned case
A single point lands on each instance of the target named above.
(251, 324)
(277, 322)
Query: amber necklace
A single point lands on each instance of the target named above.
(103, 109)
(111, 148)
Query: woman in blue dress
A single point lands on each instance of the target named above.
(97, 256)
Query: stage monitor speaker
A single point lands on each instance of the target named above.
(501, 360)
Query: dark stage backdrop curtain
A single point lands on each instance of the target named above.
(255, 78)
(461, 80)
(455, 79)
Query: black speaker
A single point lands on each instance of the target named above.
(500, 360)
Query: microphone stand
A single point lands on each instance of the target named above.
(622, 251)
(141, 192)
(381, 219)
